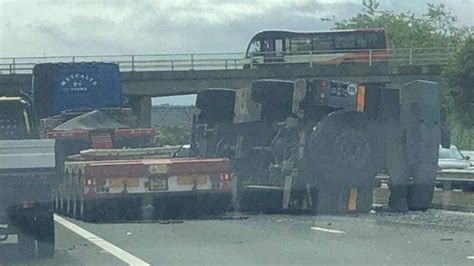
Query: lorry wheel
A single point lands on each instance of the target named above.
(344, 150)
(46, 236)
(420, 196)
(74, 211)
(89, 212)
(467, 188)
(26, 245)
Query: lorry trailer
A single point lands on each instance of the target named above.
(148, 188)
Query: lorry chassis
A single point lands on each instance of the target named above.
(317, 145)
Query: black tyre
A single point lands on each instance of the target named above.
(261, 200)
(75, 209)
(344, 150)
(420, 196)
(89, 211)
(45, 236)
(467, 188)
(26, 245)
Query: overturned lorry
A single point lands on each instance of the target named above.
(318, 144)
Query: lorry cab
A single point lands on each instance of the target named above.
(27, 173)
(61, 87)
(15, 118)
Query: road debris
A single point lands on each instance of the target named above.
(446, 239)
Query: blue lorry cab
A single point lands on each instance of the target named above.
(75, 86)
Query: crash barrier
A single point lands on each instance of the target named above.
(236, 60)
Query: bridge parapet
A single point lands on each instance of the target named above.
(224, 61)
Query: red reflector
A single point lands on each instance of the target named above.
(322, 92)
(322, 88)
(225, 177)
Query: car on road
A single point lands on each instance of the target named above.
(452, 158)
(470, 154)
(455, 170)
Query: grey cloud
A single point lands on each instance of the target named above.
(147, 26)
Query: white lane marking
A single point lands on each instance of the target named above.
(327, 230)
(470, 257)
(111, 248)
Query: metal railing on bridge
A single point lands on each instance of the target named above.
(222, 61)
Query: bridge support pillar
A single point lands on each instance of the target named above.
(141, 106)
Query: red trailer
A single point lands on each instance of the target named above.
(95, 186)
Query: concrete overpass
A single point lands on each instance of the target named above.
(148, 76)
(165, 83)
(141, 86)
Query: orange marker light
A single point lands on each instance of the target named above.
(361, 98)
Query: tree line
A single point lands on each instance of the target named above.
(437, 27)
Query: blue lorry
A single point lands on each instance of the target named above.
(75, 86)
(72, 107)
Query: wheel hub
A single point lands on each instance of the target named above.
(352, 149)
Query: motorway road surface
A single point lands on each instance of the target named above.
(435, 237)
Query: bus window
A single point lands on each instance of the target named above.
(363, 41)
(377, 40)
(279, 47)
(268, 46)
(254, 48)
(287, 44)
(302, 44)
(345, 41)
(371, 40)
(323, 43)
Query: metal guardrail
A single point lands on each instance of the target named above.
(222, 61)
(446, 175)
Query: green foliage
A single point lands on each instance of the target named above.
(459, 75)
(461, 135)
(436, 28)
(172, 135)
(459, 94)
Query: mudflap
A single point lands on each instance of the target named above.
(261, 200)
(35, 227)
(344, 199)
(45, 235)
(420, 119)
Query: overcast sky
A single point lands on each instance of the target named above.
(62, 27)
